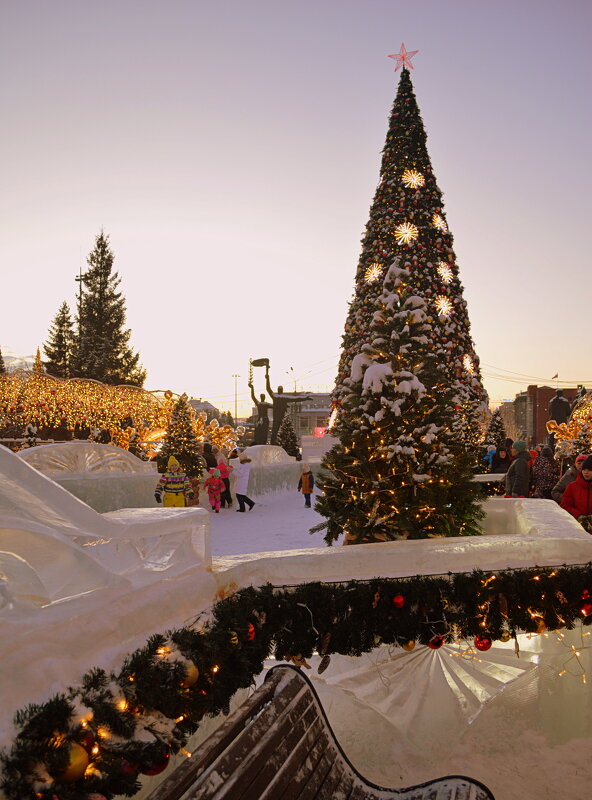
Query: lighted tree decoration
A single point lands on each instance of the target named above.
(59, 346)
(407, 220)
(496, 432)
(398, 471)
(287, 438)
(102, 347)
(180, 440)
(38, 364)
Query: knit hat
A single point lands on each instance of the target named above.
(520, 446)
(172, 463)
(587, 463)
(581, 458)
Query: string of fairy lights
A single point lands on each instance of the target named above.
(127, 413)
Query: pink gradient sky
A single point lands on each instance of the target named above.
(231, 151)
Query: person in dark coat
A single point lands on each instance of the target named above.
(577, 498)
(210, 458)
(568, 476)
(544, 474)
(500, 461)
(518, 475)
(306, 484)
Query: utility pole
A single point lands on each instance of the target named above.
(236, 377)
(78, 279)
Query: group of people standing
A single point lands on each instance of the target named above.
(535, 473)
(175, 489)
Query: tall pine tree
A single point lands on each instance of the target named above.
(2, 364)
(58, 347)
(407, 220)
(399, 471)
(102, 348)
(180, 441)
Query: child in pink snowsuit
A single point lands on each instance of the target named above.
(215, 486)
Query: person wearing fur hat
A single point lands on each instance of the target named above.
(577, 497)
(214, 485)
(518, 474)
(175, 486)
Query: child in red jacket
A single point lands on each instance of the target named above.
(215, 486)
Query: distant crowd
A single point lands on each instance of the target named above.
(536, 473)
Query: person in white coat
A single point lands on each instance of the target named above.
(241, 474)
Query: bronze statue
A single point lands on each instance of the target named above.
(281, 402)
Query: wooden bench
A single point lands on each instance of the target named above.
(279, 744)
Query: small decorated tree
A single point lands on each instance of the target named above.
(496, 432)
(287, 438)
(180, 441)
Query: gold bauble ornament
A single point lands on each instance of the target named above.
(191, 676)
(505, 636)
(77, 764)
(409, 646)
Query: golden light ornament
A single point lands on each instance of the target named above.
(191, 676)
(373, 272)
(77, 763)
(406, 232)
(445, 272)
(413, 179)
(468, 364)
(443, 305)
(409, 646)
(439, 222)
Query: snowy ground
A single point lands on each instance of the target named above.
(278, 522)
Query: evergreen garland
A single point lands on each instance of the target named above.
(128, 723)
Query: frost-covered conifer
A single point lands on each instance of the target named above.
(398, 471)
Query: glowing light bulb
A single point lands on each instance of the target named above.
(443, 305)
(373, 272)
(413, 179)
(406, 232)
(445, 272)
(439, 222)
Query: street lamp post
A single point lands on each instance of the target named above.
(236, 377)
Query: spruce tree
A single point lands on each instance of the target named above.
(287, 438)
(180, 441)
(58, 348)
(2, 364)
(496, 432)
(398, 471)
(407, 220)
(102, 347)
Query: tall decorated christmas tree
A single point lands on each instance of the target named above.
(408, 398)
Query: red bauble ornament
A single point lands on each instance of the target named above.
(156, 769)
(127, 768)
(250, 632)
(88, 742)
(586, 609)
(398, 601)
(482, 642)
(436, 642)
(585, 594)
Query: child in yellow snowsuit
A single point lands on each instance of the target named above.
(175, 485)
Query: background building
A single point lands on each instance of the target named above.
(526, 416)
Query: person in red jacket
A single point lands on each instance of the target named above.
(577, 497)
